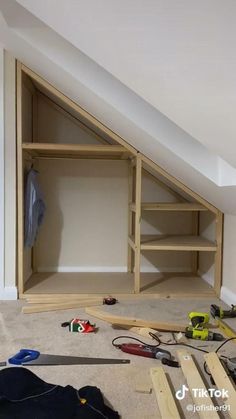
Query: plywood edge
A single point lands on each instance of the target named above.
(78, 109)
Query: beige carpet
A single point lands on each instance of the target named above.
(118, 382)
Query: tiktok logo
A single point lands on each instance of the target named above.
(180, 394)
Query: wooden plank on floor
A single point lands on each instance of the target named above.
(165, 398)
(222, 381)
(40, 308)
(195, 381)
(119, 320)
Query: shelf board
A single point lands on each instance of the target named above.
(99, 151)
(173, 206)
(180, 243)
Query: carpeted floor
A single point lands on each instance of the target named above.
(43, 332)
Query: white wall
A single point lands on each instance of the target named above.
(1, 170)
(228, 291)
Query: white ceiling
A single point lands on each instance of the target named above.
(110, 101)
(177, 55)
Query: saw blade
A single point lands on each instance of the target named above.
(45, 359)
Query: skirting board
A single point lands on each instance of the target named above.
(228, 296)
(8, 293)
(145, 269)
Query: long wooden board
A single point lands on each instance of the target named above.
(119, 320)
(195, 382)
(40, 308)
(222, 381)
(165, 398)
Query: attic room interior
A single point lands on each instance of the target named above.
(117, 209)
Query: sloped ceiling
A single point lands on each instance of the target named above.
(177, 55)
(134, 111)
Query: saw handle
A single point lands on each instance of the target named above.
(24, 355)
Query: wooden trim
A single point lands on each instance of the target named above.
(137, 232)
(71, 117)
(195, 232)
(179, 184)
(20, 181)
(130, 217)
(218, 254)
(164, 186)
(165, 399)
(131, 244)
(41, 308)
(84, 114)
(222, 381)
(172, 206)
(195, 381)
(119, 320)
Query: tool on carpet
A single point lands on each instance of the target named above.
(32, 357)
(110, 301)
(146, 350)
(80, 326)
(217, 311)
(197, 329)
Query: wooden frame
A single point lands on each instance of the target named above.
(138, 164)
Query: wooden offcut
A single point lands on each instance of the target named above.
(195, 381)
(119, 320)
(222, 381)
(40, 308)
(165, 399)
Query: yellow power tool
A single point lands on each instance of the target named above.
(197, 329)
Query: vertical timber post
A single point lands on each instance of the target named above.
(20, 212)
(138, 181)
(218, 254)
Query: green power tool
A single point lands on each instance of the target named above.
(197, 329)
(217, 311)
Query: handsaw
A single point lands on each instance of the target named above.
(32, 357)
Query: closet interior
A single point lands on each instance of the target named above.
(115, 222)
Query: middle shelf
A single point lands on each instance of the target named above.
(172, 242)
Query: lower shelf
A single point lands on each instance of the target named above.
(161, 284)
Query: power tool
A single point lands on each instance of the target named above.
(197, 329)
(148, 351)
(217, 311)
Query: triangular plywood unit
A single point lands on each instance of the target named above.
(168, 226)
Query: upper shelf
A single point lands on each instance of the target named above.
(97, 151)
(170, 206)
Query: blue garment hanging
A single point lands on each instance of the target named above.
(34, 208)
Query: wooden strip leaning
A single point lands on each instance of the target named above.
(195, 381)
(222, 381)
(218, 254)
(165, 398)
(137, 232)
(119, 320)
(40, 308)
(20, 211)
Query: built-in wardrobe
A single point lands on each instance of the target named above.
(115, 222)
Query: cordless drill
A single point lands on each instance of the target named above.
(217, 311)
(197, 329)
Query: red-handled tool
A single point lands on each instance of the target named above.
(148, 351)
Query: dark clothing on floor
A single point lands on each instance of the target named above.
(23, 395)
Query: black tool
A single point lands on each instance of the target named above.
(217, 311)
